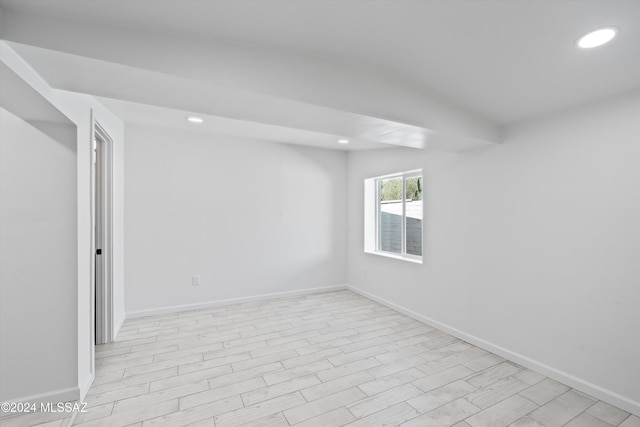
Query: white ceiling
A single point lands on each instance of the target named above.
(500, 61)
(231, 129)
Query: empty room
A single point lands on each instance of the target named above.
(417, 213)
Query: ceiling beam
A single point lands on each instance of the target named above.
(246, 82)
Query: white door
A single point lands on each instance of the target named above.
(102, 289)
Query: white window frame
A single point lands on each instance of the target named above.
(372, 216)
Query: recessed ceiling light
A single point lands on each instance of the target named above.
(194, 119)
(343, 141)
(597, 37)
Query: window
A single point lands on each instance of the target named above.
(393, 215)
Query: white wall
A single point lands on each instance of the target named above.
(530, 248)
(38, 266)
(80, 109)
(252, 218)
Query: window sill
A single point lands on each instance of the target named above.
(415, 260)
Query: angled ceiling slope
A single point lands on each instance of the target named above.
(450, 68)
(506, 60)
(252, 84)
(143, 95)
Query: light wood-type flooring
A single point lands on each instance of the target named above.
(328, 359)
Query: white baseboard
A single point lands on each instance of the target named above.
(218, 303)
(579, 384)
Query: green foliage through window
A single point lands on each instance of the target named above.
(414, 188)
(391, 189)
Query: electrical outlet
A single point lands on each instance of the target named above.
(195, 280)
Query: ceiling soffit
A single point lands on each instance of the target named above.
(221, 79)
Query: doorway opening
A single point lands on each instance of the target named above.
(102, 253)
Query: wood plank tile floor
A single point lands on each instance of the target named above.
(328, 359)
